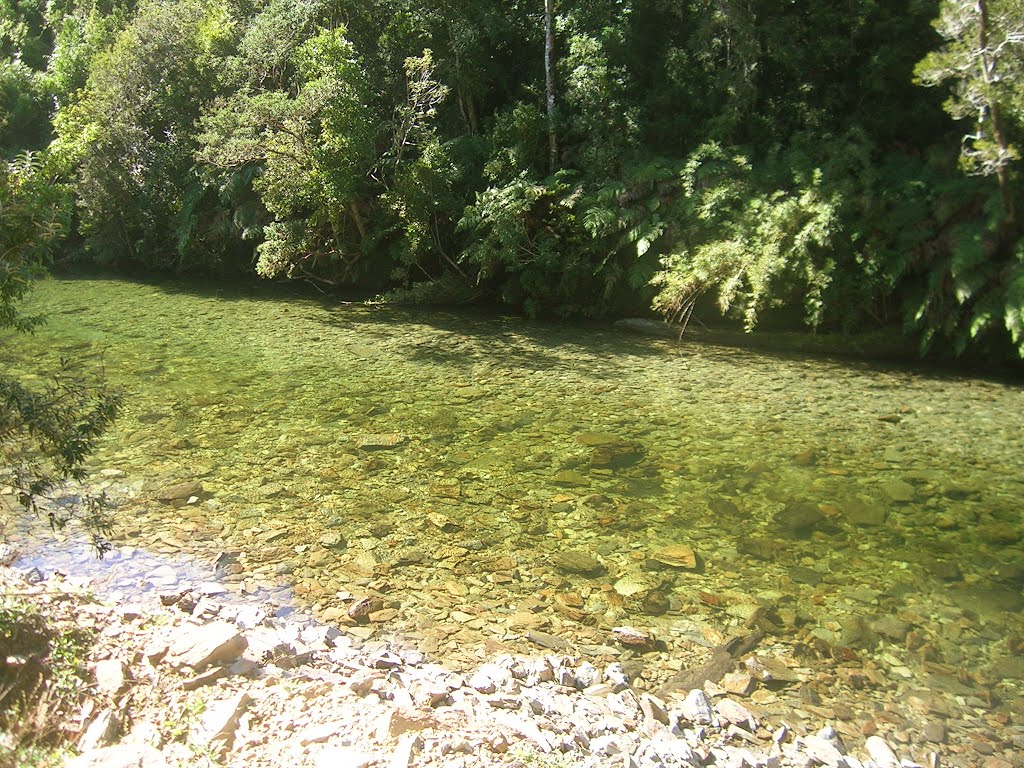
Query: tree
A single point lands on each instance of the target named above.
(128, 137)
(45, 433)
(983, 59)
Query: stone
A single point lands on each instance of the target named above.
(735, 713)
(577, 562)
(319, 733)
(379, 442)
(770, 671)
(111, 677)
(632, 636)
(881, 753)
(100, 731)
(569, 477)
(697, 708)
(798, 517)
(120, 756)
(891, 627)
(179, 491)
(897, 491)
(199, 646)
(935, 732)
(860, 512)
(676, 555)
(220, 720)
(343, 757)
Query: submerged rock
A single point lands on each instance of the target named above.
(377, 442)
(860, 512)
(676, 555)
(798, 517)
(897, 491)
(577, 562)
(179, 491)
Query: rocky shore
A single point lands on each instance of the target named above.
(196, 676)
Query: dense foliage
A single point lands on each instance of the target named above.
(48, 431)
(856, 162)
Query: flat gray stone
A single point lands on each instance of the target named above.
(121, 756)
(179, 491)
(199, 646)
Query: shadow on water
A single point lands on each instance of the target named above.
(472, 332)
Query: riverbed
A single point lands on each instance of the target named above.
(485, 483)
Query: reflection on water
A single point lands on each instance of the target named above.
(447, 464)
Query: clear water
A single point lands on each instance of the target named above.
(270, 401)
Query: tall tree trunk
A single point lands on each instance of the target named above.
(549, 77)
(995, 115)
(358, 219)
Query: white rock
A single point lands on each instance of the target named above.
(402, 756)
(101, 730)
(616, 677)
(342, 757)
(198, 646)
(606, 746)
(489, 678)
(823, 751)
(121, 756)
(881, 753)
(587, 675)
(736, 713)
(696, 708)
(220, 720)
(111, 677)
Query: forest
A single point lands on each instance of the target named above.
(849, 166)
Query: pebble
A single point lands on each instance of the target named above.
(935, 732)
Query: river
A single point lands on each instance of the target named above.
(483, 478)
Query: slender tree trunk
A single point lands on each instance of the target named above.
(995, 115)
(358, 219)
(549, 77)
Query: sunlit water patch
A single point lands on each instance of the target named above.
(486, 481)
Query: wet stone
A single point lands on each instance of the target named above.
(179, 491)
(935, 732)
(897, 491)
(577, 562)
(676, 555)
(798, 517)
(867, 513)
(891, 628)
(998, 533)
(570, 477)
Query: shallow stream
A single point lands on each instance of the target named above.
(482, 479)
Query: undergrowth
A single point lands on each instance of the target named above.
(42, 680)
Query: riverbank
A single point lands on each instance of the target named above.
(195, 676)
